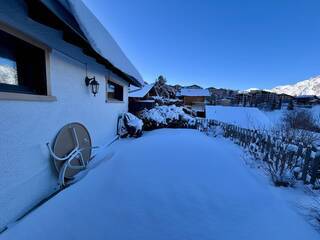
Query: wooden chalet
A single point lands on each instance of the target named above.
(263, 99)
(195, 99)
(142, 98)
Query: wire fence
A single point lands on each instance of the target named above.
(287, 158)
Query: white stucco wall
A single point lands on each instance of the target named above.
(26, 173)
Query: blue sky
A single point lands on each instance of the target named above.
(223, 43)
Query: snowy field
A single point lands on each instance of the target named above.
(246, 117)
(250, 117)
(169, 184)
(277, 115)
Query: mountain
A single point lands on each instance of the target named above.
(306, 87)
(194, 86)
(249, 90)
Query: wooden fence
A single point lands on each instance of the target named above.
(281, 154)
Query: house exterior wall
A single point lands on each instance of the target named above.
(190, 100)
(26, 173)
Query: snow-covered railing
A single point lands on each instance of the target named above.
(288, 159)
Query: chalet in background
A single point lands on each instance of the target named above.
(306, 100)
(270, 100)
(261, 99)
(221, 96)
(194, 99)
(142, 98)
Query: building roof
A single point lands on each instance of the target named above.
(189, 92)
(133, 88)
(141, 92)
(84, 23)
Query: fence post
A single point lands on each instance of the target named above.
(306, 163)
(315, 167)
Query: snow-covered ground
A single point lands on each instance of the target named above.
(246, 117)
(276, 116)
(169, 184)
(252, 118)
(316, 112)
(302, 198)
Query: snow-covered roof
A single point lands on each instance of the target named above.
(133, 88)
(100, 39)
(192, 92)
(141, 92)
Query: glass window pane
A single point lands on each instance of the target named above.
(22, 66)
(114, 91)
(8, 71)
(111, 88)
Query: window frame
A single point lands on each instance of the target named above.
(114, 81)
(24, 96)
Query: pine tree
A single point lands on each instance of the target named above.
(273, 105)
(290, 105)
(280, 103)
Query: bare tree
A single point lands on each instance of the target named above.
(300, 119)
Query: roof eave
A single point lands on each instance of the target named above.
(67, 18)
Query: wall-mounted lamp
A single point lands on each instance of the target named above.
(94, 85)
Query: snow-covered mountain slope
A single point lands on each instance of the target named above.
(306, 87)
(249, 90)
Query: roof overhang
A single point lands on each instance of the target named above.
(72, 32)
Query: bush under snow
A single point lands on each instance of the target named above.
(166, 117)
(129, 125)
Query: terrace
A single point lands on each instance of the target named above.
(168, 184)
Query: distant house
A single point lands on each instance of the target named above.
(141, 98)
(227, 101)
(149, 95)
(264, 99)
(285, 98)
(49, 51)
(306, 100)
(261, 99)
(220, 96)
(195, 99)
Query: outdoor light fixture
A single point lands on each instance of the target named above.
(93, 83)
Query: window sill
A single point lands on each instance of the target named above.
(26, 97)
(114, 101)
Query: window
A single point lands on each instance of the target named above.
(22, 66)
(114, 91)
